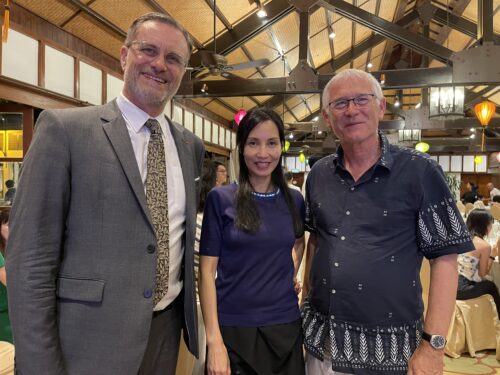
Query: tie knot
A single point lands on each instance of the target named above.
(154, 126)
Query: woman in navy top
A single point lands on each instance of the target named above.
(252, 243)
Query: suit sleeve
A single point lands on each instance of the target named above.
(35, 248)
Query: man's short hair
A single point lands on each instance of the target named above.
(9, 183)
(349, 74)
(157, 17)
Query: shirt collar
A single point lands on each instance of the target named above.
(386, 160)
(135, 116)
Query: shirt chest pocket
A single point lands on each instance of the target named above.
(375, 224)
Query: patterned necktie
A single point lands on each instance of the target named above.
(157, 199)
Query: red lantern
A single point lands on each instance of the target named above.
(239, 116)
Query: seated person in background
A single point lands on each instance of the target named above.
(471, 195)
(5, 329)
(11, 192)
(496, 199)
(475, 265)
(493, 190)
(221, 174)
(289, 181)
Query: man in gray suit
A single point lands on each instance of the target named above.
(84, 237)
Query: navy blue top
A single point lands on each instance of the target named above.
(365, 301)
(255, 271)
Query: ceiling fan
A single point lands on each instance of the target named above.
(217, 65)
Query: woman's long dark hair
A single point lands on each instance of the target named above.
(478, 222)
(208, 175)
(247, 213)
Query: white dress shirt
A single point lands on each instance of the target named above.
(135, 119)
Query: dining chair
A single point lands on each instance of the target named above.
(495, 211)
(474, 327)
(6, 358)
(468, 208)
(461, 207)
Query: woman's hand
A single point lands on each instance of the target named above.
(218, 360)
(297, 285)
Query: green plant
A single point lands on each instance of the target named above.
(453, 180)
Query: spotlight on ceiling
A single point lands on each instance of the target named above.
(332, 34)
(369, 65)
(261, 13)
(418, 105)
(204, 88)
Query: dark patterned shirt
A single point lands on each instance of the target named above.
(364, 310)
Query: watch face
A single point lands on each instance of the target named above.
(438, 342)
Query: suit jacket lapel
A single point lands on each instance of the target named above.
(116, 130)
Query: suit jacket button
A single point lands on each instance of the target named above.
(148, 293)
(151, 249)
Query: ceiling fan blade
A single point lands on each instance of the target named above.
(248, 64)
(232, 76)
(201, 76)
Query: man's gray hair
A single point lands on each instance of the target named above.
(157, 17)
(349, 74)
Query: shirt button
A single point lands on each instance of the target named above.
(348, 212)
(334, 291)
(342, 238)
(148, 293)
(352, 188)
(323, 281)
(336, 264)
(151, 249)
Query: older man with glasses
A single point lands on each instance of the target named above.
(374, 211)
(100, 255)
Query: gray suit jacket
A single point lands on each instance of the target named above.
(78, 264)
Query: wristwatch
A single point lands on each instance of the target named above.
(437, 341)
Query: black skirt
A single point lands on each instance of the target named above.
(271, 350)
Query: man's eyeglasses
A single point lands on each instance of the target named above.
(359, 101)
(150, 51)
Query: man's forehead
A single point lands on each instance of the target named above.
(148, 32)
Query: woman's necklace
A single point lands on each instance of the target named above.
(267, 194)
(271, 194)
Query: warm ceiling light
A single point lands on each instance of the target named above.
(397, 103)
(290, 136)
(261, 13)
(472, 136)
(287, 145)
(478, 159)
(332, 34)
(418, 105)
(316, 118)
(484, 111)
(369, 65)
(204, 88)
(320, 132)
(472, 130)
(422, 147)
(382, 79)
